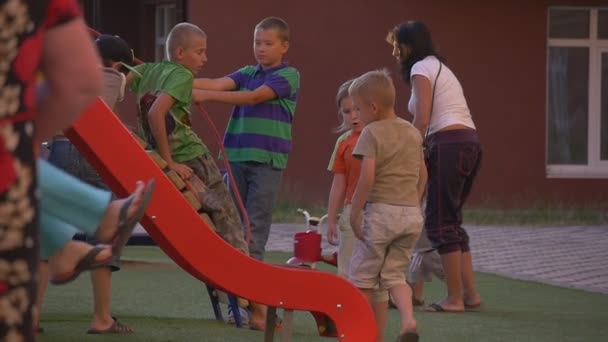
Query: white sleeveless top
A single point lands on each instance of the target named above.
(450, 106)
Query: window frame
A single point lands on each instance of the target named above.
(595, 167)
(161, 37)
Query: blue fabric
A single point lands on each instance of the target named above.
(67, 205)
(66, 157)
(54, 234)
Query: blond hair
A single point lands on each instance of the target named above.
(342, 94)
(179, 37)
(375, 86)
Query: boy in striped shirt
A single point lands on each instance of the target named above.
(258, 136)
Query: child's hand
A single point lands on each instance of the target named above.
(355, 223)
(332, 234)
(182, 170)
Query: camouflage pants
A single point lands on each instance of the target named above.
(227, 221)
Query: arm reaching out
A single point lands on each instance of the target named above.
(262, 94)
(220, 84)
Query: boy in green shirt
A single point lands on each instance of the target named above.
(164, 96)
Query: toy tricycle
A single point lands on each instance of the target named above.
(307, 245)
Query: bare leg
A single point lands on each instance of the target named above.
(258, 313)
(471, 296)
(66, 259)
(101, 280)
(452, 265)
(378, 314)
(109, 223)
(402, 297)
(43, 281)
(418, 291)
(381, 313)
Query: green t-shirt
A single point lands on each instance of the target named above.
(175, 80)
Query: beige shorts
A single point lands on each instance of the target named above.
(345, 252)
(382, 257)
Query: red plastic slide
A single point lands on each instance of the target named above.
(177, 228)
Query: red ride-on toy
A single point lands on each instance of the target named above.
(307, 251)
(307, 245)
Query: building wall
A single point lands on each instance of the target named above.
(496, 48)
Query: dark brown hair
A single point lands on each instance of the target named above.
(417, 37)
(275, 23)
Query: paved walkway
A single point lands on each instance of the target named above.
(575, 257)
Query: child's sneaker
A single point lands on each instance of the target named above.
(244, 316)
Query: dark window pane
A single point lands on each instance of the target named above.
(569, 23)
(602, 24)
(604, 109)
(568, 105)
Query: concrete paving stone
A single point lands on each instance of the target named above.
(573, 257)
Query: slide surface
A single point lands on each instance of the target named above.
(179, 231)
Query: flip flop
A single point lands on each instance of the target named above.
(125, 225)
(417, 302)
(410, 336)
(86, 263)
(434, 307)
(244, 316)
(115, 328)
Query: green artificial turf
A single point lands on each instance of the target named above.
(163, 303)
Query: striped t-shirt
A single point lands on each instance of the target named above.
(262, 132)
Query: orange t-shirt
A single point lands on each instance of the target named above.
(343, 162)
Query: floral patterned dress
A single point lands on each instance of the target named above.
(22, 27)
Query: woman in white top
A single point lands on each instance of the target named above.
(453, 156)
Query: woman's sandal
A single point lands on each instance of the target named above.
(86, 263)
(436, 307)
(126, 225)
(115, 328)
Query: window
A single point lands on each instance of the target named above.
(165, 19)
(577, 92)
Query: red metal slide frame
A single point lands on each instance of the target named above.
(179, 231)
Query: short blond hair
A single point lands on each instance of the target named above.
(180, 36)
(375, 86)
